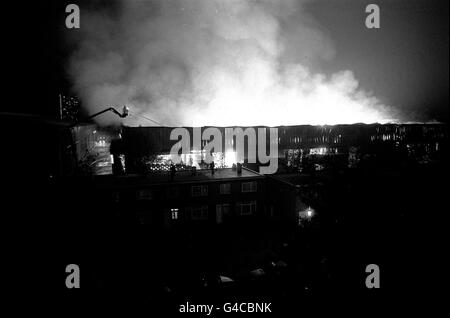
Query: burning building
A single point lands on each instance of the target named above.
(303, 147)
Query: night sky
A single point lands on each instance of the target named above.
(405, 63)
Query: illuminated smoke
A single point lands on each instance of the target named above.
(210, 62)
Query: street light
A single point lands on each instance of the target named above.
(305, 216)
(309, 212)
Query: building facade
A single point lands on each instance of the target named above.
(189, 198)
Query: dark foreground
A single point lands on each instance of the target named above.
(388, 217)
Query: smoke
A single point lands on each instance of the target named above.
(211, 62)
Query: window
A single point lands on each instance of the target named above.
(225, 188)
(246, 208)
(199, 191)
(116, 196)
(249, 186)
(199, 213)
(144, 194)
(174, 214)
(172, 193)
(221, 210)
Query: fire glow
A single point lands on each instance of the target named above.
(218, 63)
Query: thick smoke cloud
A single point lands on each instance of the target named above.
(210, 62)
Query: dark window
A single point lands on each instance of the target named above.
(249, 186)
(246, 208)
(173, 193)
(144, 194)
(221, 211)
(225, 188)
(199, 213)
(223, 208)
(199, 191)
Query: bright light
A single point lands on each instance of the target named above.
(174, 214)
(218, 63)
(305, 215)
(302, 98)
(230, 158)
(318, 151)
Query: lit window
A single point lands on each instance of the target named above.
(225, 188)
(249, 186)
(174, 214)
